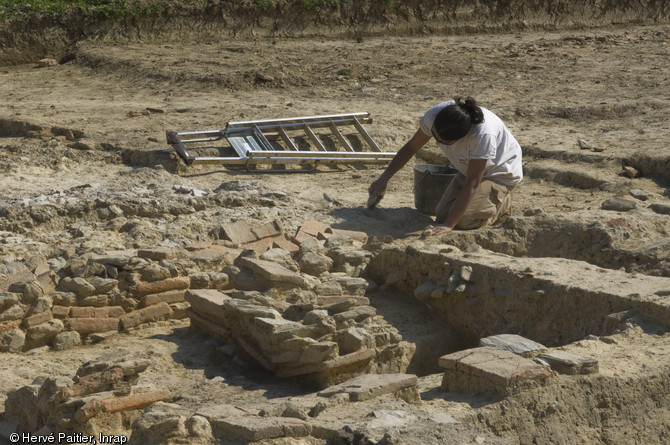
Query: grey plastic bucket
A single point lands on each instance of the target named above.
(430, 182)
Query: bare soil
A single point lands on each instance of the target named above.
(607, 86)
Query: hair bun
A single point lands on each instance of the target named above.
(471, 107)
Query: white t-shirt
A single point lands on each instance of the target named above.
(489, 140)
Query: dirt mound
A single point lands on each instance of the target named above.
(94, 201)
(23, 41)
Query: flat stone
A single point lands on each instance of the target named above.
(358, 357)
(368, 386)
(222, 411)
(272, 272)
(258, 428)
(663, 209)
(570, 363)
(268, 230)
(313, 228)
(619, 204)
(208, 303)
(287, 245)
(642, 195)
(214, 255)
(491, 371)
(513, 343)
(354, 234)
(238, 232)
(157, 254)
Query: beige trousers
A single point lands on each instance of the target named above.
(490, 203)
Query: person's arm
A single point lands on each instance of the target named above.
(473, 177)
(399, 160)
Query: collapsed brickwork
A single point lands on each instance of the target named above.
(296, 306)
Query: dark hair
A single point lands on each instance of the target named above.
(454, 121)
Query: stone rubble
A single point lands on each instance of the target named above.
(291, 299)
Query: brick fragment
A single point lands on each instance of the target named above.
(87, 326)
(96, 312)
(300, 237)
(313, 228)
(88, 410)
(272, 272)
(358, 357)
(282, 243)
(173, 296)
(160, 311)
(267, 230)
(155, 287)
(353, 234)
(135, 401)
(89, 384)
(36, 319)
(261, 246)
(60, 311)
(238, 232)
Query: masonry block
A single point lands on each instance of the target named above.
(490, 371)
(155, 287)
(208, 303)
(273, 272)
(87, 326)
(60, 311)
(36, 319)
(169, 297)
(96, 312)
(206, 326)
(160, 311)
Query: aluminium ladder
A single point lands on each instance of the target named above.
(298, 140)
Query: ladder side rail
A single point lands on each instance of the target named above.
(326, 154)
(303, 119)
(340, 137)
(366, 136)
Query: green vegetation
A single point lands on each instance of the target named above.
(111, 9)
(92, 9)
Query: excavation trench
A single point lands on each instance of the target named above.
(445, 300)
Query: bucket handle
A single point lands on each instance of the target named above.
(421, 178)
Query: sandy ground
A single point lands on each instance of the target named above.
(609, 87)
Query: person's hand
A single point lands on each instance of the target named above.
(378, 187)
(376, 191)
(437, 230)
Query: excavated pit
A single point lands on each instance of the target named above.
(100, 221)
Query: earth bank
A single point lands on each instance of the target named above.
(89, 183)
